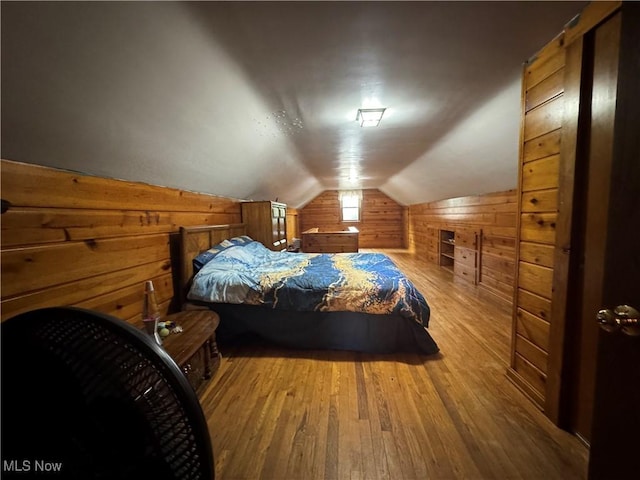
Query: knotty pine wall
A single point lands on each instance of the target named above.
(382, 224)
(72, 239)
(543, 110)
(495, 214)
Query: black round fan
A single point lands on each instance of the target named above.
(88, 396)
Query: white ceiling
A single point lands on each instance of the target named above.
(259, 100)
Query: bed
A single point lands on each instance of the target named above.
(345, 301)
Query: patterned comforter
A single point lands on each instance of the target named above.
(354, 282)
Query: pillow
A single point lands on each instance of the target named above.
(203, 258)
(241, 240)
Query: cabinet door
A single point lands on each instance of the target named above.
(275, 230)
(282, 229)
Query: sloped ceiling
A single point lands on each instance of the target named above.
(258, 100)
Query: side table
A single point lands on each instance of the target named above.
(194, 349)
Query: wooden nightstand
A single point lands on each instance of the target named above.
(194, 349)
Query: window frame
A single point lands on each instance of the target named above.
(347, 197)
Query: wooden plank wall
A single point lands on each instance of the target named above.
(494, 213)
(72, 239)
(293, 225)
(382, 225)
(543, 108)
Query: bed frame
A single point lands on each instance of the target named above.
(195, 240)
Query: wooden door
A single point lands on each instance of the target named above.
(596, 58)
(615, 429)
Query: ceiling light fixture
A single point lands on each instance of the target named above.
(370, 117)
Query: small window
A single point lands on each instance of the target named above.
(350, 206)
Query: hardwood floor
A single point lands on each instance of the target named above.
(285, 414)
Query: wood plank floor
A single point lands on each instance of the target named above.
(275, 413)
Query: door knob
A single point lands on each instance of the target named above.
(623, 318)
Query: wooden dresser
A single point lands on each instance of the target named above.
(266, 222)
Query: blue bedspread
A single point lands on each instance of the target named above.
(351, 282)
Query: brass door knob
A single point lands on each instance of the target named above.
(623, 318)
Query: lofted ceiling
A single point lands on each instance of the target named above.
(259, 99)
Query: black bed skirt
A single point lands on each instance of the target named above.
(353, 331)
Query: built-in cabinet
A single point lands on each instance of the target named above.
(266, 222)
(447, 247)
(456, 249)
(492, 216)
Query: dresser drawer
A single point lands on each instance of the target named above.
(464, 272)
(466, 256)
(466, 239)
